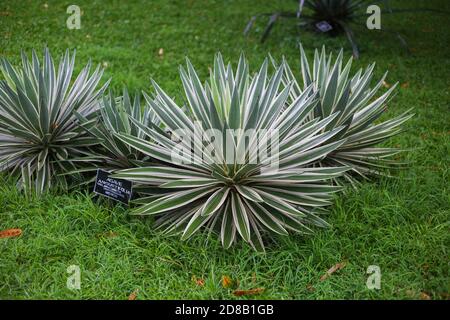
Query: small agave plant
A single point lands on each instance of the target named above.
(236, 196)
(117, 115)
(358, 108)
(39, 133)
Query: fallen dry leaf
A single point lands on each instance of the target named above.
(9, 233)
(133, 295)
(310, 287)
(333, 269)
(405, 85)
(386, 85)
(160, 52)
(239, 293)
(198, 281)
(424, 296)
(226, 282)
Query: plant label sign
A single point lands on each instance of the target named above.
(323, 26)
(116, 189)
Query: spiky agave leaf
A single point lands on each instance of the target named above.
(117, 115)
(237, 196)
(39, 133)
(358, 106)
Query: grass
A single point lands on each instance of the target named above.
(401, 225)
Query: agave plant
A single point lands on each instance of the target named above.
(243, 196)
(333, 17)
(358, 106)
(39, 133)
(114, 116)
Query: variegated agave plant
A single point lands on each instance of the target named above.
(117, 115)
(239, 198)
(39, 133)
(358, 106)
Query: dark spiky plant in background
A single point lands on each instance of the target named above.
(333, 17)
(39, 133)
(242, 199)
(359, 107)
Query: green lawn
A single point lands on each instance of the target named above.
(401, 225)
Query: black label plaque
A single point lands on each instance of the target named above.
(323, 26)
(116, 189)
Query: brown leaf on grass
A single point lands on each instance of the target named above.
(9, 233)
(386, 85)
(405, 85)
(226, 282)
(160, 52)
(310, 287)
(133, 295)
(239, 293)
(333, 269)
(198, 281)
(424, 296)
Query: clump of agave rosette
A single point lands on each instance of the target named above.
(359, 108)
(116, 115)
(39, 133)
(222, 181)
